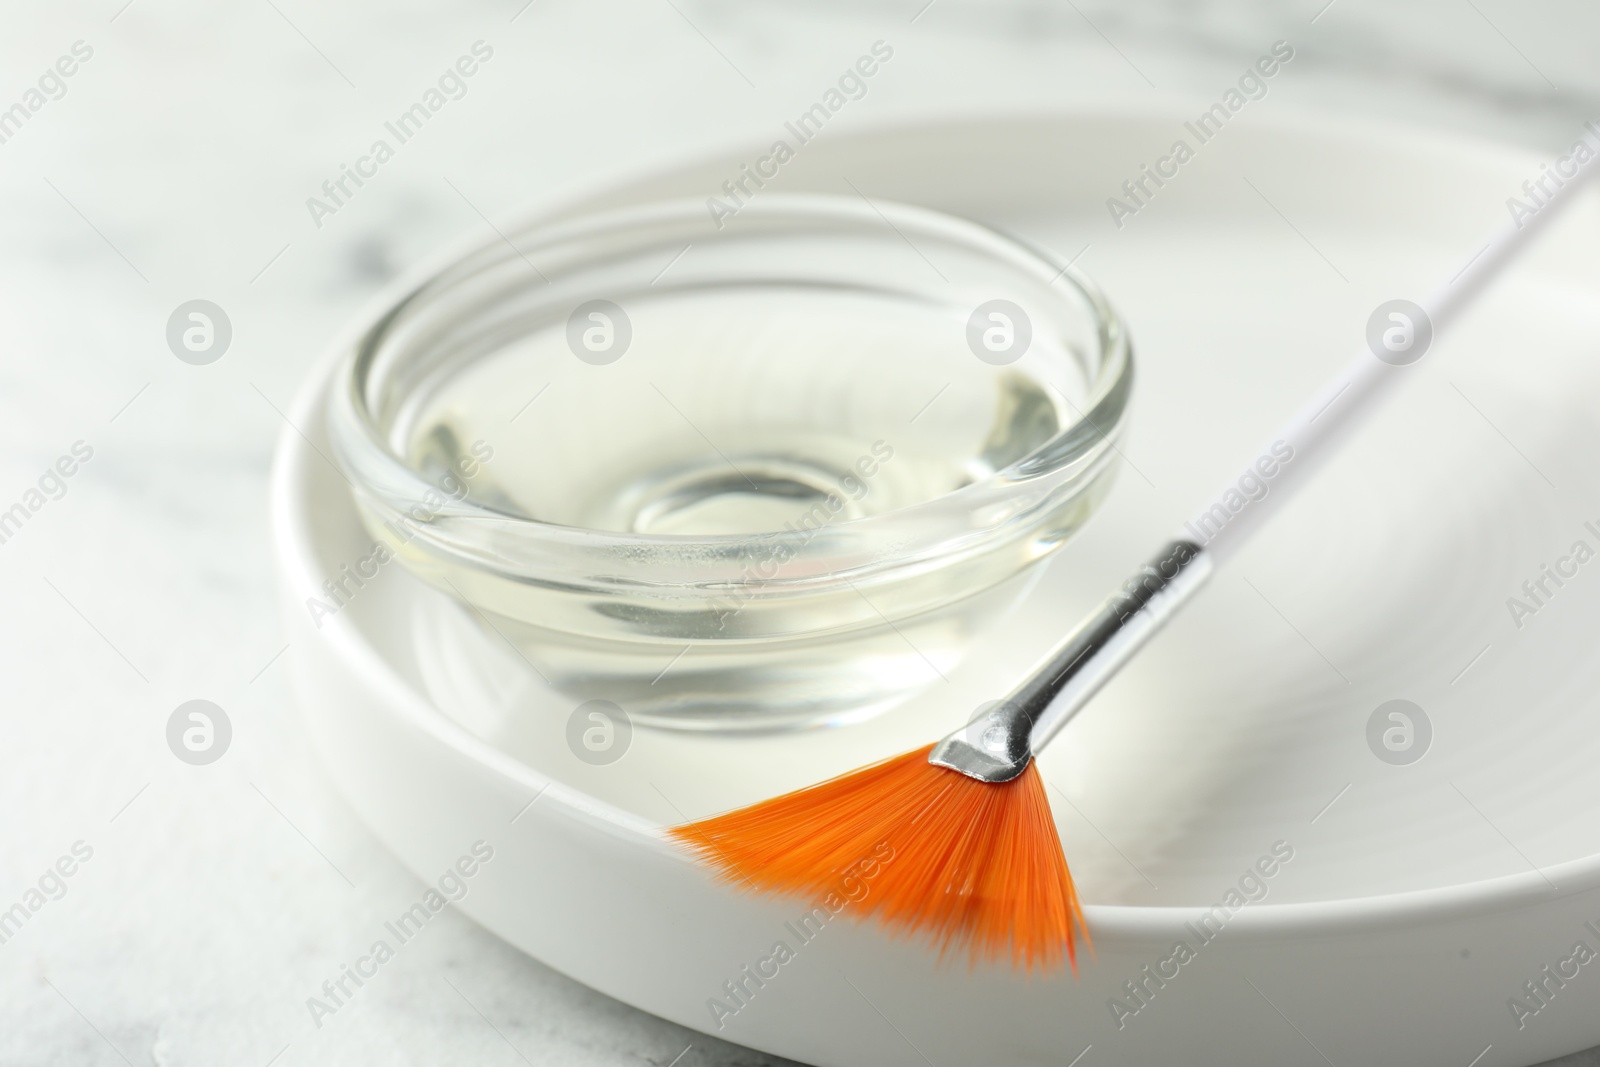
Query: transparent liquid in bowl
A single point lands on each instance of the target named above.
(744, 412)
(736, 412)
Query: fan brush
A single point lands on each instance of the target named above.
(975, 864)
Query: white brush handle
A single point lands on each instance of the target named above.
(999, 745)
(1322, 425)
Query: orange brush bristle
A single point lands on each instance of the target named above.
(974, 868)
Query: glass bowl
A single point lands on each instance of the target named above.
(755, 472)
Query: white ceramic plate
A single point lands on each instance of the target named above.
(1420, 898)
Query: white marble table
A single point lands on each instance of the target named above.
(175, 163)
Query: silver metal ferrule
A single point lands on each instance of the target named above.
(998, 744)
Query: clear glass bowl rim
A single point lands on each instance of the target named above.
(1072, 454)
